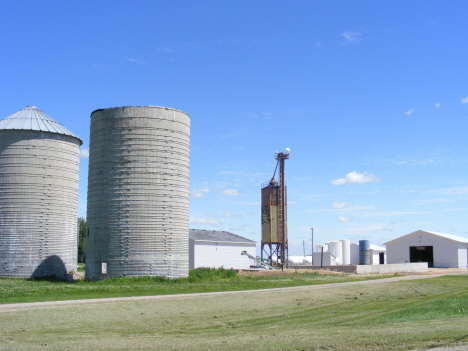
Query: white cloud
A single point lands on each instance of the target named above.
(357, 178)
(338, 205)
(209, 221)
(465, 100)
(230, 192)
(343, 219)
(135, 61)
(351, 36)
(199, 193)
(84, 153)
(437, 105)
(409, 111)
(227, 214)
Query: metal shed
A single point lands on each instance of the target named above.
(214, 249)
(437, 249)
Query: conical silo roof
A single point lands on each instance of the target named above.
(31, 118)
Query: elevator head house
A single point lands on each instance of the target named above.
(437, 249)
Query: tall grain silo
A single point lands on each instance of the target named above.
(39, 164)
(138, 193)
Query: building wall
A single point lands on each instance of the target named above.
(354, 254)
(327, 260)
(215, 255)
(445, 251)
(462, 255)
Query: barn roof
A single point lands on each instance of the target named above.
(217, 236)
(442, 235)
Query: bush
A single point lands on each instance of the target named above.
(211, 274)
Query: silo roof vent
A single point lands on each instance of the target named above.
(31, 118)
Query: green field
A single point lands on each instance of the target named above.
(200, 280)
(380, 316)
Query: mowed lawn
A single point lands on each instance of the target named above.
(382, 316)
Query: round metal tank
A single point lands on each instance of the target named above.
(138, 193)
(326, 247)
(364, 252)
(336, 248)
(320, 247)
(346, 251)
(39, 165)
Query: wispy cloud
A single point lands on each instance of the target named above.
(135, 61)
(393, 214)
(409, 111)
(357, 178)
(199, 193)
(367, 228)
(351, 37)
(84, 153)
(230, 192)
(343, 219)
(166, 49)
(432, 201)
(453, 191)
(437, 105)
(208, 221)
(339, 205)
(464, 100)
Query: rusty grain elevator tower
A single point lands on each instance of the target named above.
(274, 216)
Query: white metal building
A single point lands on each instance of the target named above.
(437, 249)
(377, 254)
(213, 249)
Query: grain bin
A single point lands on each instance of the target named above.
(364, 252)
(39, 164)
(138, 193)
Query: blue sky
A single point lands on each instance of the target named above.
(370, 96)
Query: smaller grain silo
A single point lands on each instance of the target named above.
(39, 164)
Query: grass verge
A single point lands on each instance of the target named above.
(199, 280)
(403, 315)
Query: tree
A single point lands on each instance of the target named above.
(81, 240)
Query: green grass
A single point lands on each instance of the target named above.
(199, 280)
(405, 315)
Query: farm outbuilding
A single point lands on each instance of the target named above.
(437, 249)
(215, 249)
(377, 254)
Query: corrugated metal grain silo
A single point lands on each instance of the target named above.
(39, 164)
(138, 193)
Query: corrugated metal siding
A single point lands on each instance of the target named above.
(31, 118)
(227, 255)
(138, 192)
(38, 203)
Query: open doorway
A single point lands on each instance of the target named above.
(381, 257)
(422, 254)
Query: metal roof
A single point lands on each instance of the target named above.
(31, 118)
(217, 236)
(373, 247)
(446, 236)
